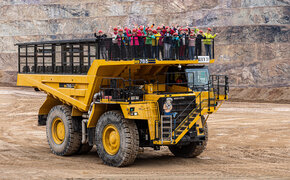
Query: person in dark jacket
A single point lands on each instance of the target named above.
(199, 37)
(183, 43)
(167, 41)
(175, 46)
(100, 38)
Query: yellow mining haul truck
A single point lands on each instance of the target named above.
(104, 94)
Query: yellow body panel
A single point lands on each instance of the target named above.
(78, 91)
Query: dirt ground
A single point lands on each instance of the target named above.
(246, 140)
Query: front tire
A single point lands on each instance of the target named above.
(117, 139)
(191, 150)
(62, 138)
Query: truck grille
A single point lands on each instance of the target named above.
(178, 107)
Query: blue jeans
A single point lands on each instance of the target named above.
(208, 50)
(191, 51)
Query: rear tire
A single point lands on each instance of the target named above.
(191, 150)
(62, 138)
(117, 139)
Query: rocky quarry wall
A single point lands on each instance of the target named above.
(252, 46)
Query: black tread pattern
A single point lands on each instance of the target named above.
(72, 140)
(129, 135)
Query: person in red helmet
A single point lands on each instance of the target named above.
(208, 41)
(167, 42)
(141, 42)
(148, 43)
(121, 44)
(127, 38)
(134, 43)
(191, 46)
(159, 37)
(175, 46)
(112, 53)
(199, 37)
(141, 28)
(155, 44)
(183, 37)
(100, 38)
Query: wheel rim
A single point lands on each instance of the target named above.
(58, 130)
(111, 139)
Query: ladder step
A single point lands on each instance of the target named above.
(166, 122)
(166, 133)
(166, 127)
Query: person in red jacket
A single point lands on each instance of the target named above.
(134, 42)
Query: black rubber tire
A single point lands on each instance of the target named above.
(191, 150)
(84, 148)
(72, 140)
(129, 139)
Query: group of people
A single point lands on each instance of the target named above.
(161, 42)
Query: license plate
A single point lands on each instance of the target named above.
(203, 59)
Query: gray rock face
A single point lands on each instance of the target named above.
(252, 46)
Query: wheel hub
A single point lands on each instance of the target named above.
(58, 130)
(111, 139)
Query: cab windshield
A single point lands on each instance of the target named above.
(197, 77)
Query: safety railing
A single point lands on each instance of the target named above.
(76, 56)
(220, 85)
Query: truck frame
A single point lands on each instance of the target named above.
(98, 96)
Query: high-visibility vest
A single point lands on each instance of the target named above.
(208, 39)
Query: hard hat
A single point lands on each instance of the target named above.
(125, 28)
(200, 31)
(100, 31)
(186, 29)
(120, 30)
(134, 30)
(149, 29)
(167, 27)
(158, 28)
(169, 99)
(175, 34)
(209, 29)
(115, 29)
(154, 31)
(141, 27)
